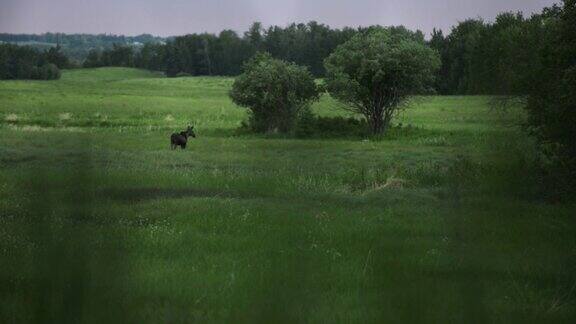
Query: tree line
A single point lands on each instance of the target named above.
(77, 46)
(501, 57)
(225, 53)
(24, 62)
(477, 57)
(493, 58)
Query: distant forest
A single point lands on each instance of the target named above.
(77, 46)
(477, 57)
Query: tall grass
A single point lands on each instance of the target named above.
(101, 222)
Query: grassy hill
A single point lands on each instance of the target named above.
(437, 222)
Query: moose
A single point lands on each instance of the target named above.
(180, 139)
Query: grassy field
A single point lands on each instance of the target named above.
(100, 220)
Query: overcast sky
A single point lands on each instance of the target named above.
(177, 17)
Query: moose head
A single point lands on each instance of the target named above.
(190, 131)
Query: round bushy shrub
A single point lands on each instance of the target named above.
(275, 92)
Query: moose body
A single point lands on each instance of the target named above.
(180, 139)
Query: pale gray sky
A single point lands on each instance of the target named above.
(177, 17)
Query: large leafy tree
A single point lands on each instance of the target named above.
(275, 92)
(375, 71)
(552, 100)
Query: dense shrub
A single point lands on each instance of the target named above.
(275, 92)
(183, 74)
(48, 72)
(309, 125)
(305, 125)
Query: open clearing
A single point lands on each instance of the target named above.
(434, 222)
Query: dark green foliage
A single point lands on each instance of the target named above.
(440, 43)
(330, 127)
(228, 53)
(305, 44)
(375, 71)
(254, 36)
(23, 62)
(341, 127)
(48, 71)
(462, 42)
(18, 62)
(552, 104)
(275, 92)
(199, 54)
(191, 54)
(207, 54)
(152, 57)
(305, 124)
(55, 56)
(118, 55)
(492, 58)
(92, 60)
(182, 74)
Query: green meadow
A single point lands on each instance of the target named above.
(438, 221)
